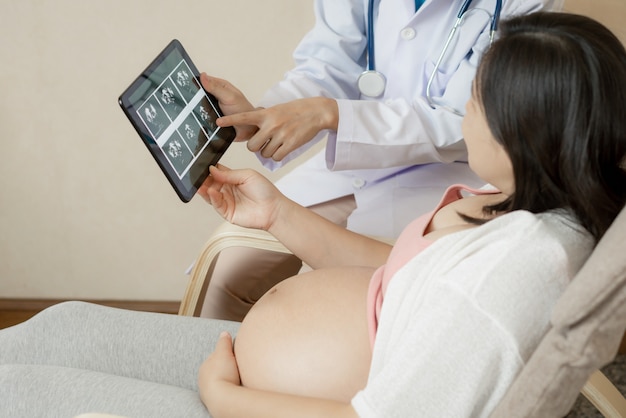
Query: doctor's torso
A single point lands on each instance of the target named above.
(409, 43)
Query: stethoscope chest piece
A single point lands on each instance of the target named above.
(371, 83)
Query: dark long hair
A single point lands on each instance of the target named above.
(553, 88)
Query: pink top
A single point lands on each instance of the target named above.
(410, 243)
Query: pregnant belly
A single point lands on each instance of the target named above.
(308, 336)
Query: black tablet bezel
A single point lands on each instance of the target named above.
(176, 118)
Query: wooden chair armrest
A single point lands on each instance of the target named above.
(225, 236)
(604, 396)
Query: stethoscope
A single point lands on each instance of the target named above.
(372, 83)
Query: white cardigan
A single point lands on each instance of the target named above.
(460, 319)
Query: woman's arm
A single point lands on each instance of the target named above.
(246, 198)
(223, 395)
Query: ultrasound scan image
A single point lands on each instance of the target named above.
(178, 153)
(187, 85)
(170, 99)
(206, 114)
(154, 117)
(193, 134)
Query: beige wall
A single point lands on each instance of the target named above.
(610, 12)
(84, 210)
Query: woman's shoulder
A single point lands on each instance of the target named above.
(513, 247)
(558, 226)
(524, 251)
(548, 238)
(518, 247)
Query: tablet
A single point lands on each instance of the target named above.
(175, 118)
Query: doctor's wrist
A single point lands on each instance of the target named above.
(329, 113)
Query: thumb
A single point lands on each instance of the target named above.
(219, 172)
(224, 342)
(223, 90)
(225, 175)
(211, 84)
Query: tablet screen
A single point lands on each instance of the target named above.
(175, 118)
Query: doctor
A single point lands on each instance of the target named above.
(394, 139)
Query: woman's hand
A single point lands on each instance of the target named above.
(218, 372)
(231, 101)
(285, 127)
(243, 197)
(223, 395)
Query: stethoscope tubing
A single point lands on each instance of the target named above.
(371, 63)
(371, 60)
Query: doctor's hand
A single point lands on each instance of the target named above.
(231, 100)
(243, 197)
(286, 127)
(218, 373)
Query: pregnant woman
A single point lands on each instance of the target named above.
(437, 325)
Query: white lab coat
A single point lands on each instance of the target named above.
(384, 148)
